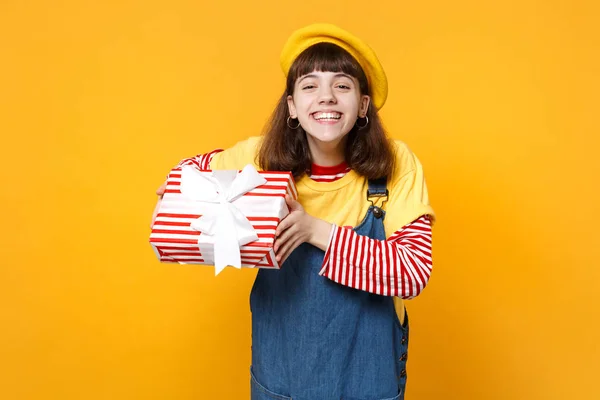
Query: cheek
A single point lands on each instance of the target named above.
(352, 109)
(303, 101)
(302, 106)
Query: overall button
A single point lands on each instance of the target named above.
(404, 357)
(403, 373)
(377, 212)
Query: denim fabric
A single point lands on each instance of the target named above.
(314, 339)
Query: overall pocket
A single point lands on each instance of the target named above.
(259, 392)
(399, 396)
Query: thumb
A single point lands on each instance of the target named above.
(161, 190)
(292, 203)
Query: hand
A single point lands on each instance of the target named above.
(299, 227)
(160, 192)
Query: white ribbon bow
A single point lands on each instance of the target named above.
(227, 226)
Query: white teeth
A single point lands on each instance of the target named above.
(334, 115)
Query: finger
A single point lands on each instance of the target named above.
(282, 227)
(286, 235)
(285, 223)
(280, 242)
(285, 253)
(161, 190)
(285, 247)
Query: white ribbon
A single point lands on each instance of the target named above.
(227, 227)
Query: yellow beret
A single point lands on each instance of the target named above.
(305, 37)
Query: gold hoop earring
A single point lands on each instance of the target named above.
(292, 127)
(362, 126)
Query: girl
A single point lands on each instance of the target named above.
(331, 323)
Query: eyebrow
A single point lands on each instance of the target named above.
(339, 75)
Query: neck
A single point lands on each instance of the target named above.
(326, 154)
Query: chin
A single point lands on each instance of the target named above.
(327, 138)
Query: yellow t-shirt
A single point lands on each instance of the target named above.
(344, 201)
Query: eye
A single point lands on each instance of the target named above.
(307, 87)
(344, 85)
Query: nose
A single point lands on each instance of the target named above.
(326, 95)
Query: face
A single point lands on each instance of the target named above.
(327, 105)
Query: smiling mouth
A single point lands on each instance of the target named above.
(327, 116)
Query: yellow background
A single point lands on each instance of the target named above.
(99, 99)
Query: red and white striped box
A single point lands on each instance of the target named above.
(175, 241)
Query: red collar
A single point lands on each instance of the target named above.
(319, 170)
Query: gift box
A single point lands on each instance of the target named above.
(221, 218)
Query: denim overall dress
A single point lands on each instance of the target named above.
(314, 339)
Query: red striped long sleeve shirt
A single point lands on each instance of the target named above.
(399, 266)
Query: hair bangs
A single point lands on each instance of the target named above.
(326, 57)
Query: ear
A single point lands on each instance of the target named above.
(364, 105)
(291, 107)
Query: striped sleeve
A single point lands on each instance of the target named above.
(399, 266)
(201, 161)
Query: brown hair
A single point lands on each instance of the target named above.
(368, 151)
